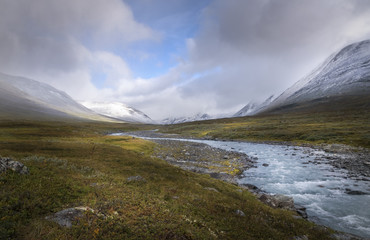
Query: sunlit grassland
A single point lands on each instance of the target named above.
(344, 127)
(77, 164)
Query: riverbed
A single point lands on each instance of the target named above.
(331, 197)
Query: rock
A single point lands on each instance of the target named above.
(278, 201)
(211, 189)
(304, 237)
(301, 211)
(66, 217)
(8, 163)
(217, 175)
(251, 187)
(265, 165)
(345, 236)
(137, 178)
(354, 192)
(226, 157)
(168, 158)
(240, 213)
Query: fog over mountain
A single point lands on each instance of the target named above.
(345, 76)
(175, 58)
(29, 99)
(118, 111)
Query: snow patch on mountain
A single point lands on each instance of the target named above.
(118, 110)
(346, 72)
(253, 108)
(22, 97)
(197, 117)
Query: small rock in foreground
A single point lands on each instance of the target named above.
(240, 213)
(278, 201)
(137, 178)
(8, 163)
(66, 217)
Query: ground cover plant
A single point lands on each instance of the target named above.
(132, 194)
(351, 127)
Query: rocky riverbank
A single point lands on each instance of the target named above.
(201, 158)
(218, 163)
(355, 160)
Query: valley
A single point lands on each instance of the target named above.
(105, 170)
(132, 194)
(79, 161)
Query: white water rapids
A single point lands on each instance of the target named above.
(318, 187)
(293, 171)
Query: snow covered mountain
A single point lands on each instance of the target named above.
(119, 111)
(345, 73)
(25, 98)
(197, 117)
(247, 110)
(252, 108)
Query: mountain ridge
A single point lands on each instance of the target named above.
(25, 98)
(118, 110)
(342, 79)
(345, 73)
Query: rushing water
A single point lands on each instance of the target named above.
(318, 187)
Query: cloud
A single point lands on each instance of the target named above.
(259, 48)
(242, 50)
(63, 42)
(263, 47)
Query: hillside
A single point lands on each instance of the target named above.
(22, 98)
(118, 111)
(342, 82)
(122, 191)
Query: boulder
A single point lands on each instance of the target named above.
(137, 178)
(355, 192)
(8, 163)
(301, 211)
(66, 217)
(240, 213)
(278, 201)
(211, 189)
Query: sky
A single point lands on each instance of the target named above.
(173, 58)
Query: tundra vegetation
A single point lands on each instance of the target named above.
(130, 193)
(350, 127)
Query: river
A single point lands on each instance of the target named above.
(297, 172)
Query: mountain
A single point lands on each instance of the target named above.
(197, 117)
(343, 79)
(119, 111)
(24, 98)
(252, 108)
(247, 110)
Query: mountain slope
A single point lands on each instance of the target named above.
(197, 117)
(119, 111)
(252, 108)
(344, 75)
(28, 99)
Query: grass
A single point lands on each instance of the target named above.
(344, 127)
(75, 164)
